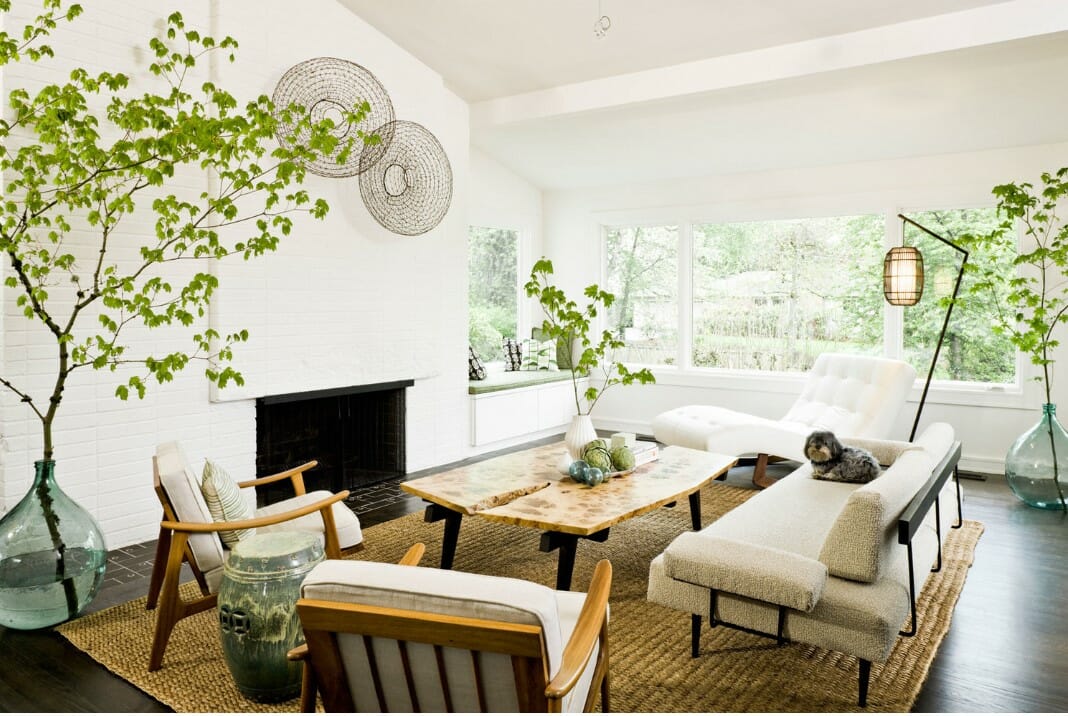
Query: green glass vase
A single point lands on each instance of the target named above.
(1036, 466)
(52, 556)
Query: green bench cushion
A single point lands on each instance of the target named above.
(516, 379)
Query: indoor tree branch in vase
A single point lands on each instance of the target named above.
(1035, 304)
(82, 161)
(587, 351)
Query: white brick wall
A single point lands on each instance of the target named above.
(343, 302)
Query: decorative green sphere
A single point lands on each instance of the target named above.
(622, 458)
(576, 469)
(594, 476)
(596, 454)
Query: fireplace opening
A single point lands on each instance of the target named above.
(356, 434)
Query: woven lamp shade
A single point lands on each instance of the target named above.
(903, 276)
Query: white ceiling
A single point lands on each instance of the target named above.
(495, 48)
(686, 88)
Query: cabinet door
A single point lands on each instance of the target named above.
(497, 417)
(556, 405)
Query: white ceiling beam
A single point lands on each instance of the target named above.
(1003, 22)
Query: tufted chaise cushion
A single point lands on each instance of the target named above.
(846, 394)
(853, 395)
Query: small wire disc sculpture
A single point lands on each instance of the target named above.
(328, 88)
(409, 189)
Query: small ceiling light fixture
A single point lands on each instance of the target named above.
(603, 23)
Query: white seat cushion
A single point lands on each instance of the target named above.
(349, 533)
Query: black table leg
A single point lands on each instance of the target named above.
(435, 513)
(695, 510)
(568, 546)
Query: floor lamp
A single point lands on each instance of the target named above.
(903, 286)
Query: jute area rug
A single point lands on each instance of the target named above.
(650, 664)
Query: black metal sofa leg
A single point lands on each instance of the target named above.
(695, 635)
(865, 674)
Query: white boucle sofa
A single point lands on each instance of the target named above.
(832, 564)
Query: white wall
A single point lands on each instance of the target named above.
(343, 301)
(986, 424)
(503, 199)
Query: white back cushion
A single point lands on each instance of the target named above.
(853, 395)
(440, 592)
(182, 486)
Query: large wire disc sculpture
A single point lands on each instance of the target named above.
(409, 189)
(328, 88)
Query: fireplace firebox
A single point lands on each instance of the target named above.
(356, 433)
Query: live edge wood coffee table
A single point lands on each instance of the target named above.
(526, 489)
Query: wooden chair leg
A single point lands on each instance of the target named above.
(307, 689)
(760, 478)
(163, 548)
(170, 607)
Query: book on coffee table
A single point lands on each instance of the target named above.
(644, 451)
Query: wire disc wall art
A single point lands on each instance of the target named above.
(409, 188)
(328, 87)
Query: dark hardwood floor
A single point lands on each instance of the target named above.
(1006, 651)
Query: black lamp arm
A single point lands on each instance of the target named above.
(945, 323)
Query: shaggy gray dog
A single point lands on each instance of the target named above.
(833, 461)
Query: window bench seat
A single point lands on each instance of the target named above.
(509, 379)
(513, 404)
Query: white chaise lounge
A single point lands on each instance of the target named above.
(859, 396)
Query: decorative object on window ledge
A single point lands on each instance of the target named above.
(903, 286)
(1032, 232)
(409, 189)
(329, 88)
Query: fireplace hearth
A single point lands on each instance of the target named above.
(356, 433)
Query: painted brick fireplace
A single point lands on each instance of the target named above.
(357, 434)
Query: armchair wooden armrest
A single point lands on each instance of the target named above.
(255, 521)
(296, 474)
(592, 625)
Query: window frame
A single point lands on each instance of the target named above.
(1023, 393)
(524, 257)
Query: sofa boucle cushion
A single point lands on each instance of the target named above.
(750, 570)
(856, 543)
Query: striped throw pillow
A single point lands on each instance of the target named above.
(225, 502)
(539, 355)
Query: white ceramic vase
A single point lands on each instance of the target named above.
(578, 435)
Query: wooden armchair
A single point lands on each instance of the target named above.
(187, 533)
(390, 638)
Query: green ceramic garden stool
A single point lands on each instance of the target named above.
(257, 611)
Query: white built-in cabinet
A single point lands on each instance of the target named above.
(514, 412)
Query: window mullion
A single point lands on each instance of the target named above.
(893, 316)
(684, 356)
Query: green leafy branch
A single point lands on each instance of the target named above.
(1037, 300)
(564, 321)
(72, 172)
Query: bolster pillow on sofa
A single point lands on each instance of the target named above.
(854, 547)
(746, 569)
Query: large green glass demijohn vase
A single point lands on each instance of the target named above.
(52, 556)
(1036, 466)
